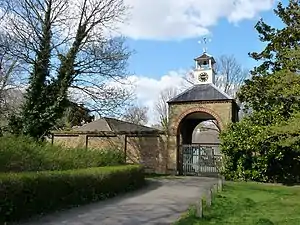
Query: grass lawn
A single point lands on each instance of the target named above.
(250, 204)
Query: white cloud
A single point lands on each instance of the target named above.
(180, 19)
(147, 89)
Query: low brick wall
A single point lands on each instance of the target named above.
(148, 150)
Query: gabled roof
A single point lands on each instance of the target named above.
(122, 126)
(114, 125)
(201, 92)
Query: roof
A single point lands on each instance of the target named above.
(205, 56)
(201, 92)
(206, 136)
(114, 125)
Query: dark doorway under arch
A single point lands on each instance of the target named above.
(189, 123)
(198, 144)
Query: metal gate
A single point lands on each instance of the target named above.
(200, 159)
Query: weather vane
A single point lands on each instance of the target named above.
(204, 42)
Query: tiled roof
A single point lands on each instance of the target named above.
(201, 92)
(113, 125)
(122, 126)
(97, 125)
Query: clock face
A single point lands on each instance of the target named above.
(203, 77)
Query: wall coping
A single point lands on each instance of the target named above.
(106, 133)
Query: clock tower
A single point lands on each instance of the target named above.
(202, 101)
(204, 72)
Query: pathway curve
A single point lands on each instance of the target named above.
(161, 202)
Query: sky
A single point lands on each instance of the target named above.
(164, 36)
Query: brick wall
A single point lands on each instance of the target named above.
(151, 151)
(222, 111)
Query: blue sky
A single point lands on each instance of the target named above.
(164, 35)
(155, 58)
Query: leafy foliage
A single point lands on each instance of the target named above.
(262, 153)
(279, 41)
(277, 92)
(23, 195)
(74, 115)
(265, 146)
(280, 62)
(19, 154)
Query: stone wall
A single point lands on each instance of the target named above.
(151, 151)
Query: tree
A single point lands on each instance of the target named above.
(278, 41)
(280, 53)
(161, 106)
(231, 74)
(262, 153)
(277, 92)
(137, 115)
(265, 145)
(64, 48)
(10, 77)
(74, 115)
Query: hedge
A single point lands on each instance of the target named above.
(23, 195)
(19, 154)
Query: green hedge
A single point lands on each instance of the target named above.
(23, 195)
(18, 154)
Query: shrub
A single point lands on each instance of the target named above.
(19, 154)
(262, 153)
(23, 195)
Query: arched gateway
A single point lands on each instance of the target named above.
(202, 102)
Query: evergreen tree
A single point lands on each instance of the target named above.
(265, 146)
(279, 41)
(280, 54)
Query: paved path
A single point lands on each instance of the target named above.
(161, 202)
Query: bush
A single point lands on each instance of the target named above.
(23, 195)
(262, 153)
(19, 154)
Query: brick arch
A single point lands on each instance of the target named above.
(195, 110)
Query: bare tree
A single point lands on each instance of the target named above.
(3, 10)
(157, 126)
(230, 74)
(10, 76)
(161, 106)
(66, 45)
(136, 115)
